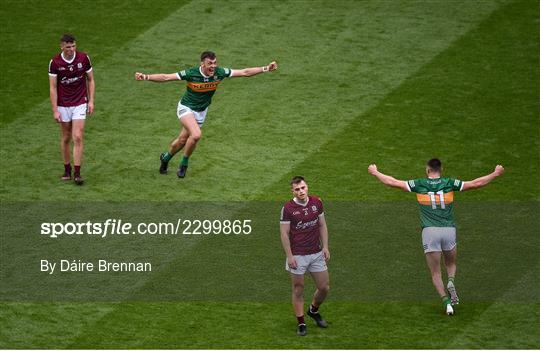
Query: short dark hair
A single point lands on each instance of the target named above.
(208, 54)
(434, 165)
(67, 38)
(297, 179)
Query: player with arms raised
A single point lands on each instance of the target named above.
(435, 196)
(71, 90)
(304, 236)
(202, 82)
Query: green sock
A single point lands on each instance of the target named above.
(446, 300)
(167, 157)
(451, 279)
(185, 161)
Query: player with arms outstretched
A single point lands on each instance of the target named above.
(435, 196)
(202, 82)
(71, 90)
(304, 237)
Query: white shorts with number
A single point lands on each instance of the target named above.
(437, 239)
(310, 263)
(200, 116)
(68, 114)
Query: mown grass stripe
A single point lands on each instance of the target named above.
(484, 329)
(311, 92)
(456, 107)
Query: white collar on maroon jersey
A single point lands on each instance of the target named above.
(67, 61)
(298, 202)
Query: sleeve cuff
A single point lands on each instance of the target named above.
(408, 187)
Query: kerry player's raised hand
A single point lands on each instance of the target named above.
(372, 169)
(272, 66)
(498, 170)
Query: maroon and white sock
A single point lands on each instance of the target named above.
(77, 170)
(301, 320)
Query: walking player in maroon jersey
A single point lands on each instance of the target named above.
(71, 88)
(304, 237)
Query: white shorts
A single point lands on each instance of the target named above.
(310, 263)
(200, 116)
(67, 114)
(437, 239)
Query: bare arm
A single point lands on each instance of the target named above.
(158, 77)
(323, 230)
(53, 94)
(248, 72)
(91, 83)
(285, 229)
(482, 181)
(386, 179)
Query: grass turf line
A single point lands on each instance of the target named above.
(353, 325)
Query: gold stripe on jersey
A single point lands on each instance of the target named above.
(425, 199)
(203, 87)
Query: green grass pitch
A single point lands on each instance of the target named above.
(387, 82)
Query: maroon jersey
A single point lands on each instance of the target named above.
(71, 78)
(304, 221)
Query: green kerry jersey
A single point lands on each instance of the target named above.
(436, 199)
(200, 88)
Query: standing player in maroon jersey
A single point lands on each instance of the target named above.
(304, 237)
(71, 88)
